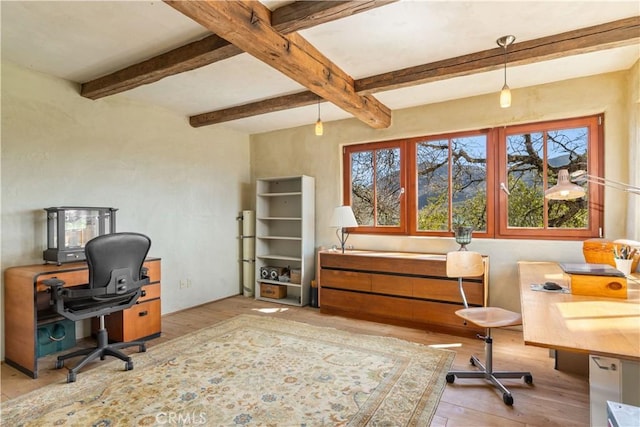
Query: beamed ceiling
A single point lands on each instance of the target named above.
(261, 66)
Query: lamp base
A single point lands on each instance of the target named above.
(342, 237)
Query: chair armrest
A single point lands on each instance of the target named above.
(54, 282)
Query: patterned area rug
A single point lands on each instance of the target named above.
(251, 371)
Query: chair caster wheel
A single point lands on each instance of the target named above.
(71, 377)
(450, 378)
(59, 364)
(528, 379)
(507, 398)
(128, 365)
(143, 349)
(473, 362)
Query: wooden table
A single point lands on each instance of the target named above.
(607, 327)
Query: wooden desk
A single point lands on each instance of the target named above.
(26, 307)
(607, 327)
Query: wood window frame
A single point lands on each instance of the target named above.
(497, 200)
(595, 162)
(412, 182)
(371, 146)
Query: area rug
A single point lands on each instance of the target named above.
(251, 371)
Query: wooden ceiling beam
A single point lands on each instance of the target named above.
(605, 36)
(619, 33)
(247, 25)
(286, 19)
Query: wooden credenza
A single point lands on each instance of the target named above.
(27, 306)
(410, 289)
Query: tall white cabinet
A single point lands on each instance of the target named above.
(285, 221)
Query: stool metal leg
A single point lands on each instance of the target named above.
(487, 372)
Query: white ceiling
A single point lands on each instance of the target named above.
(83, 40)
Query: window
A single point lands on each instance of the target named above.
(375, 186)
(533, 155)
(450, 182)
(493, 180)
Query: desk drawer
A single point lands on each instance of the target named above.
(154, 270)
(70, 278)
(150, 292)
(142, 320)
(81, 277)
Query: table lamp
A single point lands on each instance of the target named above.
(343, 218)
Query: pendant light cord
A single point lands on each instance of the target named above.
(505, 64)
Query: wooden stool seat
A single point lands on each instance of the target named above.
(490, 317)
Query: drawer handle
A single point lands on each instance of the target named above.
(596, 360)
(52, 338)
(143, 293)
(143, 313)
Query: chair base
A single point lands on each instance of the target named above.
(102, 350)
(489, 374)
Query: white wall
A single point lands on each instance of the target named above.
(183, 187)
(299, 151)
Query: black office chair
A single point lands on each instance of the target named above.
(116, 276)
(463, 264)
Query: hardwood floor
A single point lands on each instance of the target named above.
(555, 398)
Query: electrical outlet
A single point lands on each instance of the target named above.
(183, 284)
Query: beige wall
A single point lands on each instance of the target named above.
(299, 151)
(634, 148)
(184, 187)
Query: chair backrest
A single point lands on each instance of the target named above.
(117, 251)
(464, 264)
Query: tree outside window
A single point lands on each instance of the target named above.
(452, 183)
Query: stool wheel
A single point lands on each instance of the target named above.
(507, 398)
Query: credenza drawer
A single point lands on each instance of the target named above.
(448, 290)
(392, 285)
(351, 280)
(368, 304)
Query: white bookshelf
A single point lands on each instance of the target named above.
(285, 221)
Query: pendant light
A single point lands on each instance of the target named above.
(319, 129)
(505, 93)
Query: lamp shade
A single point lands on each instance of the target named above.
(343, 217)
(505, 97)
(564, 189)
